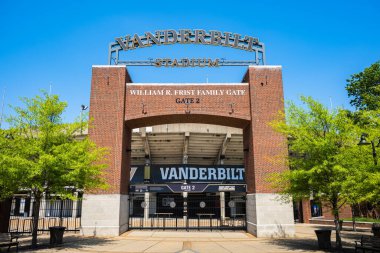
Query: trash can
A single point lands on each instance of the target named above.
(376, 229)
(56, 234)
(324, 238)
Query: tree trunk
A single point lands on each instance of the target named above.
(353, 218)
(5, 211)
(36, 216)
(337, 227)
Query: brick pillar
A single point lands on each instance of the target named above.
(105, 212)
(306, 211)
(265, 150)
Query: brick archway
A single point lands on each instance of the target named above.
(118, 105)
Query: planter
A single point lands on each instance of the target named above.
(56, 235)
(376, 229)
(324, 238)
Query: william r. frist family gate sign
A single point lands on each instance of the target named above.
(187, 36)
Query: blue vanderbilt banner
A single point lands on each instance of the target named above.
(158, 174)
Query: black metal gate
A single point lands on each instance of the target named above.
(187, 211)
(53, 212)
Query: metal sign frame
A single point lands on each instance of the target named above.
(187, 36)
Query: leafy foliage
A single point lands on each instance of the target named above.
(320, 140)
(326, 160)
(368, 168)
(42, 154)
(364, 88)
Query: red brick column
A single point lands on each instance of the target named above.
(265, 153)
(306, 210)
(105, 212)
(107, 128)
(264, 148)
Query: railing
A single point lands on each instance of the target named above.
(53, 212)
(187, 224)
(23, 225)
(200, 211)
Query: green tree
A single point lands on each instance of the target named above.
(43, 155)
(12, 168)
(369, 123)
(364, 88)
(323, 144)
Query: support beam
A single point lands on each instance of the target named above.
(144, 139)
(222, 151)
(186, 148)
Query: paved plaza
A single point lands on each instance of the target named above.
(203, 241)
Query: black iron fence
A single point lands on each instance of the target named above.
(190, 211)
(53, 212)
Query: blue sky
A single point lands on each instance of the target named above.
(55, 43)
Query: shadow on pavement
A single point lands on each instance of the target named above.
(295, 244)
(69, 242)
(307, 244)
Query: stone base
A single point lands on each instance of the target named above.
(269, 216)
(104, 214)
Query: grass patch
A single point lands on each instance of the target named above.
(363, 219)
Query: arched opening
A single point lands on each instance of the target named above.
(187, 176)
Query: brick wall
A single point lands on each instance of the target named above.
(143, 110)
(265, 148)
(107, 128)
(344, 212)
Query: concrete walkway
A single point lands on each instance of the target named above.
(215, 241)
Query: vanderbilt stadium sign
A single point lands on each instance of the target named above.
(187, 178)
(187, 36)
(189, 173)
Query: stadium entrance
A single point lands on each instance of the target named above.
(118, 106)
(188, 211)
(187, 196)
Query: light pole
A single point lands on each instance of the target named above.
(363, 141)
(83, 107)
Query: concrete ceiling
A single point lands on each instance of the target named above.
(199, 147)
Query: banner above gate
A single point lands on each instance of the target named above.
(159, 174)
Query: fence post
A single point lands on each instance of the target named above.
(60, 213)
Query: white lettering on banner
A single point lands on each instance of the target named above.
(173, 174)
(202, 173)
(241, 171)
(183, 172)
(193, 174)
(212, 172)
(228, 173)
(164, 175)
(221, 174)
(164, 92)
